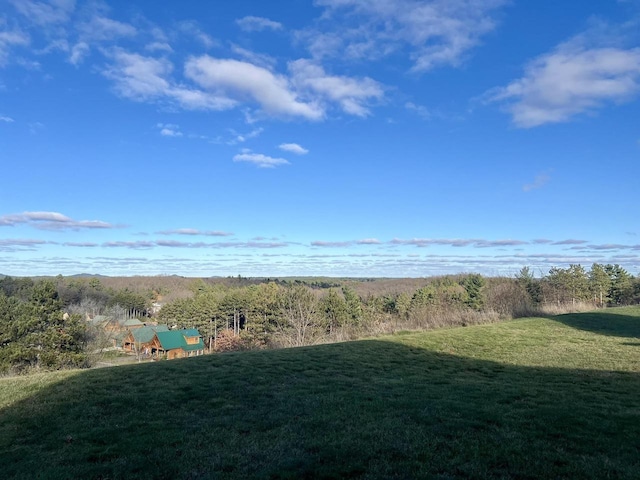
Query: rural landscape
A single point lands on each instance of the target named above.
(319, 239)
(451, 377)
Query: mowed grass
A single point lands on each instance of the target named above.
(533, 398)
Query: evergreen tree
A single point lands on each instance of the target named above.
(474, 286)
(599, 284)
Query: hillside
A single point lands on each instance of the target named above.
(554, 397)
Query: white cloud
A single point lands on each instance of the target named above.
(9, 39)
(305, 93)
(158, 47)
(139, 77)
(436, 32)
(369, 241)
(51, 221)
(540, 181)
(570, 81)
(193, 99)
(293, 148)
(321, 45)
(4, 118)
(143, 78)
(259, 59)
(419, 110)
(243, 137)
(322, 243)
(457, 242)
(11, 245)
(195, 231)
(247, 82)
(35, 127)
(260, 160)
(169, 130)
(193, 30)
(350, 93)
(78, 53)
(569, 241)
(102, 29)
(44, 13)
(257, 24)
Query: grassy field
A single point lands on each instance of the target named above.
(534, 398)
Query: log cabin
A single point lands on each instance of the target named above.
(140, 340)
(177, 343)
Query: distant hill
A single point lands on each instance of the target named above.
(88, 275)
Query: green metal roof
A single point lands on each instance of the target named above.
(173, 339)
(145, 334)
(132, 322)
(119, 337)
(195, 346)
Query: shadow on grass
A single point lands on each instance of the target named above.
(369, 409)
(603, 323)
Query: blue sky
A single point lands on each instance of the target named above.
(396, 138)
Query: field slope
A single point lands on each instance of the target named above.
(534, 398)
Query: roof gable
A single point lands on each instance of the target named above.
(191, 332)
(145, 334)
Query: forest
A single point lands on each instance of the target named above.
(45, 322)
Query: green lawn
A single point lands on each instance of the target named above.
(531, 398)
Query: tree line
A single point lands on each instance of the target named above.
(43, 323)
(291, 314)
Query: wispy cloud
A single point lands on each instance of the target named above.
(79, 52)
(293, 148)
(260, 59)
(51, 221)
(169, 130)
(611, 246)
(457, 242)
(418, 109)
(158, 47)
(10, 39)
(434, 33)
(368, 241)
(499, 243)
(81, 244)
(576, 78)
(575, 244)
(4, 118)
(538, 182)
(257, 24)
(44, 13)
(347, 243)
(192, 29)
(570, 241)
(103, 29)
(322, 243)
(260, 160)
(20, 244)
(195, 232)
(243, 137)
(135, 245)
(351, 94)
(272, 259)
(142, 78)
(146, 245)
